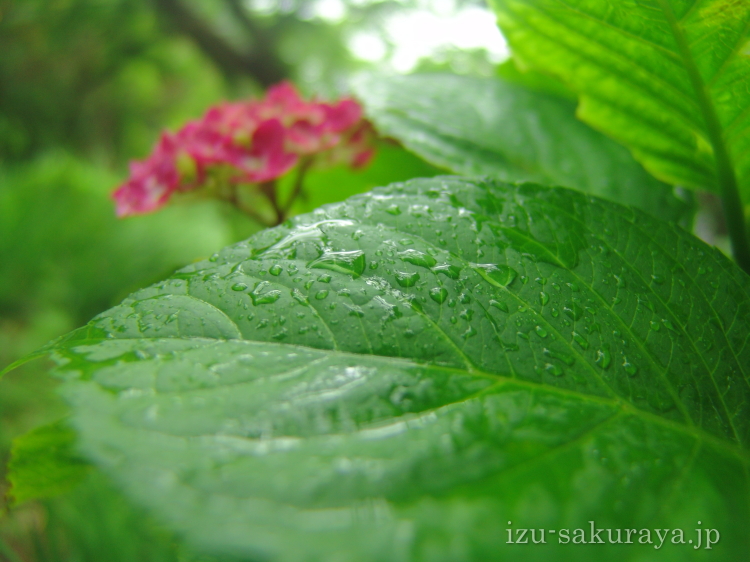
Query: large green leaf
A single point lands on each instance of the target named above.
(670, 79)
(512, 133)
(399, 376)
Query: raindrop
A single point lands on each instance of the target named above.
(418, 258)
(543, 298)
(470, 332)
(668, 325)
(264, 298)
(354, 310)
(239, 287)
(554, 370)
(299, 297)
(351, 262)
(569, 360)
(658, 279)
(499, 305)
(325, 278)
(603, 358)
(393, 210)
(275, 270)
(497, 275)
(573, 311)
(439, 294)
(320, 295)
(630, 369)
(655, 326)
(406, 279)
(580, 340)
(541, 332)
(450, 271)
(467, 314)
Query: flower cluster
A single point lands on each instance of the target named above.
(247, 142)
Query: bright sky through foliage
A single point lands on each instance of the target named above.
(406, 36)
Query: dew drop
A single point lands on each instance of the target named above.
(258, 297)
(393, 210)
(299, 297)
(320, 295)
(325, 278)
(499, 305)
(630, 369)
(467, 314)
(655, 326)
(418, 258)
(573, 311)
(469, 333)
(541, 332)
(569, 360)
(406, 279)
(275, 270)
(497, 275)
(439, 294)
(658, 279)
(351, 262)
(450, 271)
(603, 358)
(580, 340)
(543, 298)
(554, 370)
(239, 287)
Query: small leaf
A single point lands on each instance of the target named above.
(515, 383)
(44, 463)
(512, 133)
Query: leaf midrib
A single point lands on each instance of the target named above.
(616, 403)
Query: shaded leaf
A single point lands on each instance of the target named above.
(513, 133)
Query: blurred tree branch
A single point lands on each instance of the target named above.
(261, 62)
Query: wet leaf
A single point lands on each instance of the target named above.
(515, 378)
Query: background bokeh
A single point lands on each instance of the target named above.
(86, 86)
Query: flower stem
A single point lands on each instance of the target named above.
(299, 181)
(235, 200)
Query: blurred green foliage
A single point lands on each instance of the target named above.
(86, 86)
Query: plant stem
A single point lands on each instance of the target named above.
(269, 190)
(725, 174)
(298, 184)
(235, 200)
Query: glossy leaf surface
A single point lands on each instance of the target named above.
(513, 133)
(669, 79)
(398, 376)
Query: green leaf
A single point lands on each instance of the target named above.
(44, 463)
(399, 376)
(512, 133)
(669, 79)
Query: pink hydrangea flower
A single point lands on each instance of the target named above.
(258, 141)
